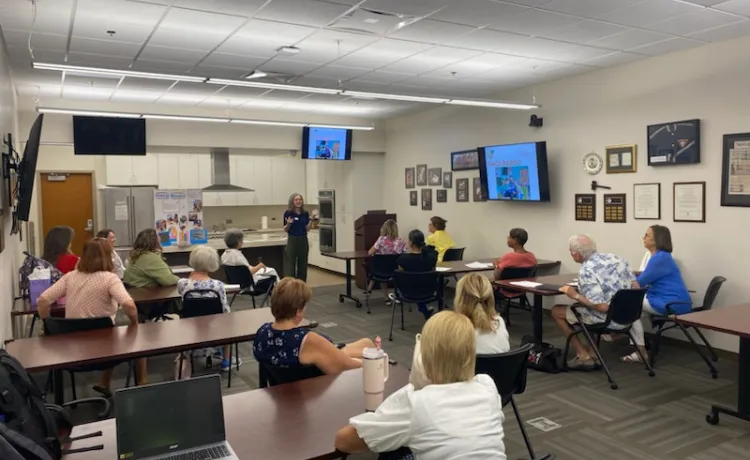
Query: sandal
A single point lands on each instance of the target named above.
(104, 391)
(579, 364)
(632, 358)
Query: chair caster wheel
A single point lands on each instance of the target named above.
(613, 386)
(390, 339)
(712, 418)
(714, 375)
(652, 374)
(341, 299)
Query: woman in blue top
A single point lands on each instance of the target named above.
(296, 224)
(663, 281)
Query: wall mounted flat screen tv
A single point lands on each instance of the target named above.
(109, 136)
(319, 143)
(515, 172)
(27, 170)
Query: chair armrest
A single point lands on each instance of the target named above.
(103, 414)
(574, 308)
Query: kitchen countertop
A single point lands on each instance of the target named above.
(248, 242)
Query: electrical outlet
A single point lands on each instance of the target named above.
(228, 221)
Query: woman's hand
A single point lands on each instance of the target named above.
(289, 220)
(570, 291)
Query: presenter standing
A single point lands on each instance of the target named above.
(296, 224)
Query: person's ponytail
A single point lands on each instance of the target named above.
(475, 299)
(479, 317)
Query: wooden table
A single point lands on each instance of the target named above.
(58, 352)
(287, 422)
(539, 294)
(735, 321)
(456, 267)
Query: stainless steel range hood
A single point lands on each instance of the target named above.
(220, 173)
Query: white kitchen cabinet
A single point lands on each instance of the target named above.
(213, 199)
(193, 170)
(263, 179)
(311, 181)
(245, 198)
(204, 170)
(168, 172)
(288, 178)
(145, 170)
(313, 256)
(119, 170)
(132, 170)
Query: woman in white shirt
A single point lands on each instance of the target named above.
(233, 257)
(111, 238)
(458, 415)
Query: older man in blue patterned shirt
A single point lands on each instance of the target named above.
(600, 277)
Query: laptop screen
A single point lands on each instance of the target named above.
(168, 417)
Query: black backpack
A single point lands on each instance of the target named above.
(30, 429)
(544, 357)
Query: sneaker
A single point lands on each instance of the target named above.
(225, 365)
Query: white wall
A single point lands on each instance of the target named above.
(586, 113)
(10, 256)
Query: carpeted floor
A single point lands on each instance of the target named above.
(646, 418)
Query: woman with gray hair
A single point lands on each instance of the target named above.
(296, 224)
(205, 260)
(234, 257)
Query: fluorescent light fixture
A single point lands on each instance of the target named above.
(492, 104)
(116, 73)
(256, 74)
(280, 87)
(87, 113)
(184, 118)
(395, 97)
(355, 128)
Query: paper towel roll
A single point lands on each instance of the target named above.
(264, 222)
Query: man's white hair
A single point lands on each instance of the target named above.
(582, 244)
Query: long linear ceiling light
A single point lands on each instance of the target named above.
(282, 87)
(191, 118)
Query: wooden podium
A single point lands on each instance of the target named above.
(366, 232)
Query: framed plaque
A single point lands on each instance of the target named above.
(426, 199)
(677, 142)
(689, 202)
(647, 201)
(413, 198)
(441, 195)
(421, 175)
(465, 160)
(462, 190)
(621, 158)
(614, 208)
(478, 189)
(586, 207)
(448, 179)
(409, 178)
(435, 176)
(735, 170)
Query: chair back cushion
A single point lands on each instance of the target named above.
(626, 306)
(416, 286)
(453, 254)
(512, 273)
(276, 375)
(239, 274)
(508, 369)
(382, 266)
(201, 302)
(53, 326)
(712, 291)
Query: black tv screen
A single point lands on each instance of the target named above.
(109, 136)
(27, 170)
(516, 172)
(321, 143)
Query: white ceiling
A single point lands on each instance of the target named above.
(450, 48)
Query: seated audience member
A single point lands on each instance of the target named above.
(663, 281)
(57, 249)
(439, 238)
(284, 343)
(458, 415)
(475, 300)
(418, 259)
(146, 266)
(205, 260)
(389, 243)
(519, 257)
(600, 277)
(111, 238)
(93, 291)
(234, 257)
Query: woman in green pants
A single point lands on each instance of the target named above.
(296, 224)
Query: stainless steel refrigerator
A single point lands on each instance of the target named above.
(127, 211)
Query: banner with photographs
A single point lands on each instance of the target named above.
(179, 217)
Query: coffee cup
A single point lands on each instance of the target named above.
(374, 375)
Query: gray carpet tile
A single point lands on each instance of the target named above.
(648, 418)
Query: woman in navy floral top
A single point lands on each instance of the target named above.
(284, 344)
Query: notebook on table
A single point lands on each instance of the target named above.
(180, 420)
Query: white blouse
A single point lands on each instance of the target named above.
(497, 341)
(458, 420)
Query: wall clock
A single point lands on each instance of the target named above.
(592, 163)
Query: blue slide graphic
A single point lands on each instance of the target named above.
(512, 172)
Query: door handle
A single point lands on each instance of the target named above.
(90, 225)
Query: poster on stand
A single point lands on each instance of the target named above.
(179, 217)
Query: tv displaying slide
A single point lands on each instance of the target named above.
(319, 143)
(515, 172)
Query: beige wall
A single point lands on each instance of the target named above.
(11, 255)
(586, 113)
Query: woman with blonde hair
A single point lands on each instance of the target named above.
(389, 243)
(296, 225)
(458, 415)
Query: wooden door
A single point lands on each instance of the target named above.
(68, 199)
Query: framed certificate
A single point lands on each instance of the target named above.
(689, 202)
(735, 170)
(621, 158)
(647, 201)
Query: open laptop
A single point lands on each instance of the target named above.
(180, 420)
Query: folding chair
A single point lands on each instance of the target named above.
(379, 268)
(512, 273)
(240, 274)
(452, 255)
(413, 287)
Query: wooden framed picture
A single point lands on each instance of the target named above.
(447, 180)
(426, 199)
(441, 196)
(413, 198)
(621, 158)
(435, 176)
(462, 190)
(421, 175)
(476, 187)
(647, 201)
(409, 178)
(689, 202)
(465, 160)
(674, 143)
(735, 170)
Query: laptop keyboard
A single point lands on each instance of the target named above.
(204, 454)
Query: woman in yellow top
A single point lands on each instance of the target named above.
(439, 238)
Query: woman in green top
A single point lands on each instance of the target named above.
(147, 268)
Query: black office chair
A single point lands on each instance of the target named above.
(205, 302)
(239, 274)
(413, 287)
(624, 309)
(508, 370)
(512, 273)
(270, 376)
(379, 268)
(660, 323)
(453, 254)
(57, 326)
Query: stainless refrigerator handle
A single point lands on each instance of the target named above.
(132, 218)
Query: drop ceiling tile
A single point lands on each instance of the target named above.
(132, 22)
(104, 47)
(233, 7)
(568, 71)
(741, 7)
(489, 40)
(327, 45)
(428, 82)
(180, 99)
(260, 104)
(583, 53)
(239, 92)
(40, 55)
(586, 8)
(222, 102)
(668, 46)
(289, 66)
(263, 38)
(233, 60)
(95, 60)
(135, 96)
(533, 66)
(433, 58)
(145, 85)
(327, 98)
(383, 77)
(339, 72)
(541, 48)
(322, 82)
(629, 39)
(356, 85)
(157, 53)
(585, 31)
(708, 2)
(531, 3)
(412, 90)
(738, 29)
(615, 59)
(693, 22)
(407, 7)
(91, 82)
(645, 13)
(477, 13)
(534, 22)
(149, 65)
(183, 87)
(195, 30)
(380, 53)
(52, 17)
(216, 71)
(433, 32)
(283, 96)
(479, 64)
(20, 39)
(88, 94)
(311, 13)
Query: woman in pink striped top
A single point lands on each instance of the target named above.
(93, 291)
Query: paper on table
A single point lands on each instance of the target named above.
(479, 265)
(442, 269)
(231, 287)
(179, 270)
(527, 284)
